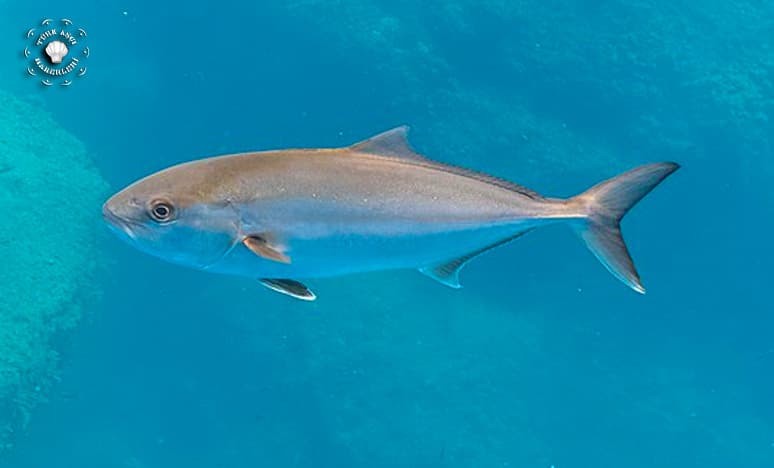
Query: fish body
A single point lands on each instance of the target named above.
(280, 216)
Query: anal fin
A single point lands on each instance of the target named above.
(289, 287)
(448, 272)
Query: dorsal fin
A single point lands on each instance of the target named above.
(502, 183)
(392, 143)
(448, 272)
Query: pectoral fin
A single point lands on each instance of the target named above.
(290, 287)
(260, 246)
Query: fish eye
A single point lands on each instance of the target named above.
(161, 211)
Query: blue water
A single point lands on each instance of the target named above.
(542, 359)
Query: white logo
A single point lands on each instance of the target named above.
(56, 52)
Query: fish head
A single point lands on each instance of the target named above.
(174, 215)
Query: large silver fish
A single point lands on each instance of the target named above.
(282, 216)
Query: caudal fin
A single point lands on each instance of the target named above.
(604, 205)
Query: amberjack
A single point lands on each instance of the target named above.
(283, 216)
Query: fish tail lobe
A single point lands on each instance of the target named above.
(604, 205)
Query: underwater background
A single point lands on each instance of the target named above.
(110, 358)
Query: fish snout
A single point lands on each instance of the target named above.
(108, 214)
(121, 209)
(122, 225)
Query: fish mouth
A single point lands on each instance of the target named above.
(118, 224)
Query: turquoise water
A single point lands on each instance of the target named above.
(542, 359)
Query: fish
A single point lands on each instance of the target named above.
(282, 217)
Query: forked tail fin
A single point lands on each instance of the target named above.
(604, 205)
